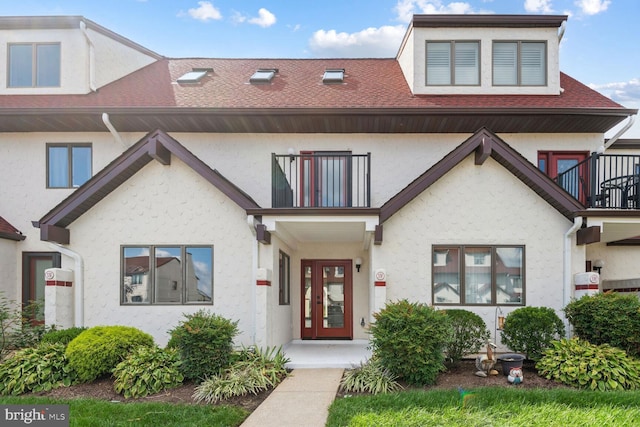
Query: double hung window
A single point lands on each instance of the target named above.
(478, 275)
(455, 63)
(34, 65)
(172, 274)
(519, 63)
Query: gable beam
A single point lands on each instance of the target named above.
(588, 235)
(262, 234)
(377, 237)
(159, 152)
(52, 233)
(483, 152)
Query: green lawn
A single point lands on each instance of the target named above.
(100, 413)
(485, 407)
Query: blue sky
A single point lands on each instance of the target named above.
(601, 46)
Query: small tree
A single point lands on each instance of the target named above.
(530, 330)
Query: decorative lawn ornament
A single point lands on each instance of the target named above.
(515, 376)
(486, 362)
(464, 396)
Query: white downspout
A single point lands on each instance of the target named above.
(615, 137)
(79, 282)
(566, 295)
(112, 129)
(254, 277)
(562, 29)
(92, 58)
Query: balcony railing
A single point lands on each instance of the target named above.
(321, 179)
(609, 181)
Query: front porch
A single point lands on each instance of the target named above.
(308, 354)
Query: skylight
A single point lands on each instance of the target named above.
(195, 75)
(333, 76)
(263, 75)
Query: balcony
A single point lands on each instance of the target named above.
(604, 181)
(321, 180)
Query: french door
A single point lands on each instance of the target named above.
(554, 163)
(327, 299)
(326, 179)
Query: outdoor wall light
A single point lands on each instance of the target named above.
(597, 265)
(291, 153)
(358, 264)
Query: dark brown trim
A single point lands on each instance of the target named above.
(483, 151)
(377, 236)
(12, 236)
(609, 213)
(318, 120)
(51, 233)
(588, 235)
(124, 167)
(625, 144)
(314, 211)
(510, 21)
(262, 234)
(634, 241)
(519, 166)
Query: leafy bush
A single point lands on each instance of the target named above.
(36, 369)
(16, 328)
(204, 342)
(530, 330)
(98, 350)
(469, 334)
(148, 370)
(409, 340)
(370, 377)
(607, 318)
(579, 364)
(253, 371)
(62, 336)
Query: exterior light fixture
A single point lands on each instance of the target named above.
(292, 154)
(358, 264)
(597, 265)
(500, 323)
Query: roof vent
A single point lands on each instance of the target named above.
(263, 75)
(195, 75)
(334, 75)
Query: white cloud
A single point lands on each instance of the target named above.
(370, 43)
(405, 9)
(592, 7)
(538, 6)
(265, 18)
(620, 91)
(204, 12)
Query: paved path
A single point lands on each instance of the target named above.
(301, 400)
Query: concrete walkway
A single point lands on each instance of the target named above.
(301, 400)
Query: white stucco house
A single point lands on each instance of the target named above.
(299, 196)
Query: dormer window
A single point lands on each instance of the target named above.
(519, 63)
(34, 65)
(453, 63)
(263, 75)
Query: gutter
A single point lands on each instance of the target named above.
(112, 129)
(78, 296)
(566, 294)
(92, 58)
(615, 137)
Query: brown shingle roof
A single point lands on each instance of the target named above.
(8, 231)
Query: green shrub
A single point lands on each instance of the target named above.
(36, 369)
(148, 370)
(409, 340)
(469, 334)
(253, 371)
(205, 342)
(530, 330)
(16, 327)
(370, 377)
(607, 318)
(62, 336)
(98, 350)
(579, 364)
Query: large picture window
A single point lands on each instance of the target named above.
(454, 63)
(168, 274)
(34, 65)
(68, 165)
(519, 63)
(478, 275)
